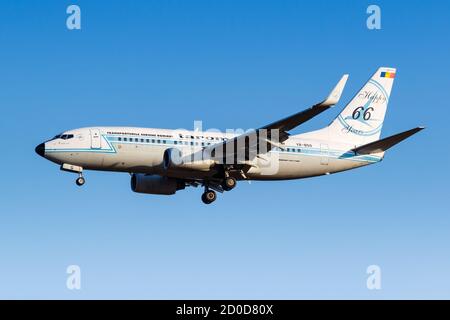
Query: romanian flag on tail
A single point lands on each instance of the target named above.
(388, 75)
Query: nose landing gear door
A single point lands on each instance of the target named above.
(96, 139)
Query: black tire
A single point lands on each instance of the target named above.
(209, 197)
(229, 183)
(80, 181)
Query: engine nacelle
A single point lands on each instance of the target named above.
(178, 159)
(153, 184)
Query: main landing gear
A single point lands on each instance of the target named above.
(209, 196)
(229, 183)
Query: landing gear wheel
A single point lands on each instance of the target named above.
(80, 181)
(229, 183)
(209, 196)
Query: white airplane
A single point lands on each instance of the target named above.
(164, 161)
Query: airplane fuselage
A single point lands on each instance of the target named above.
(141, 150)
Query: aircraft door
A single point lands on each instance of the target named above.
(96, 139)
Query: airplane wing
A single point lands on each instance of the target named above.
(272, 135)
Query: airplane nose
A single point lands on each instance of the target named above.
(40, 149)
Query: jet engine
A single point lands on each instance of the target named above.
(188, 160)
(154, 184)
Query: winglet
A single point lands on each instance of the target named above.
(335, 95)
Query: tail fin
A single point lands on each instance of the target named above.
(362, 119)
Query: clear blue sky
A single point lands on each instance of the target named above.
(231, 64)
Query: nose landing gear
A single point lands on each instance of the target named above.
(74, 169)
(80, 180)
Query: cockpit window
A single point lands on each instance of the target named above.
(63, 136)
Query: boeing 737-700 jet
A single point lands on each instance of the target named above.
(164, 161)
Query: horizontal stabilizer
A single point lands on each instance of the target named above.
(386, 143)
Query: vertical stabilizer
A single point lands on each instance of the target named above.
(362, 119)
